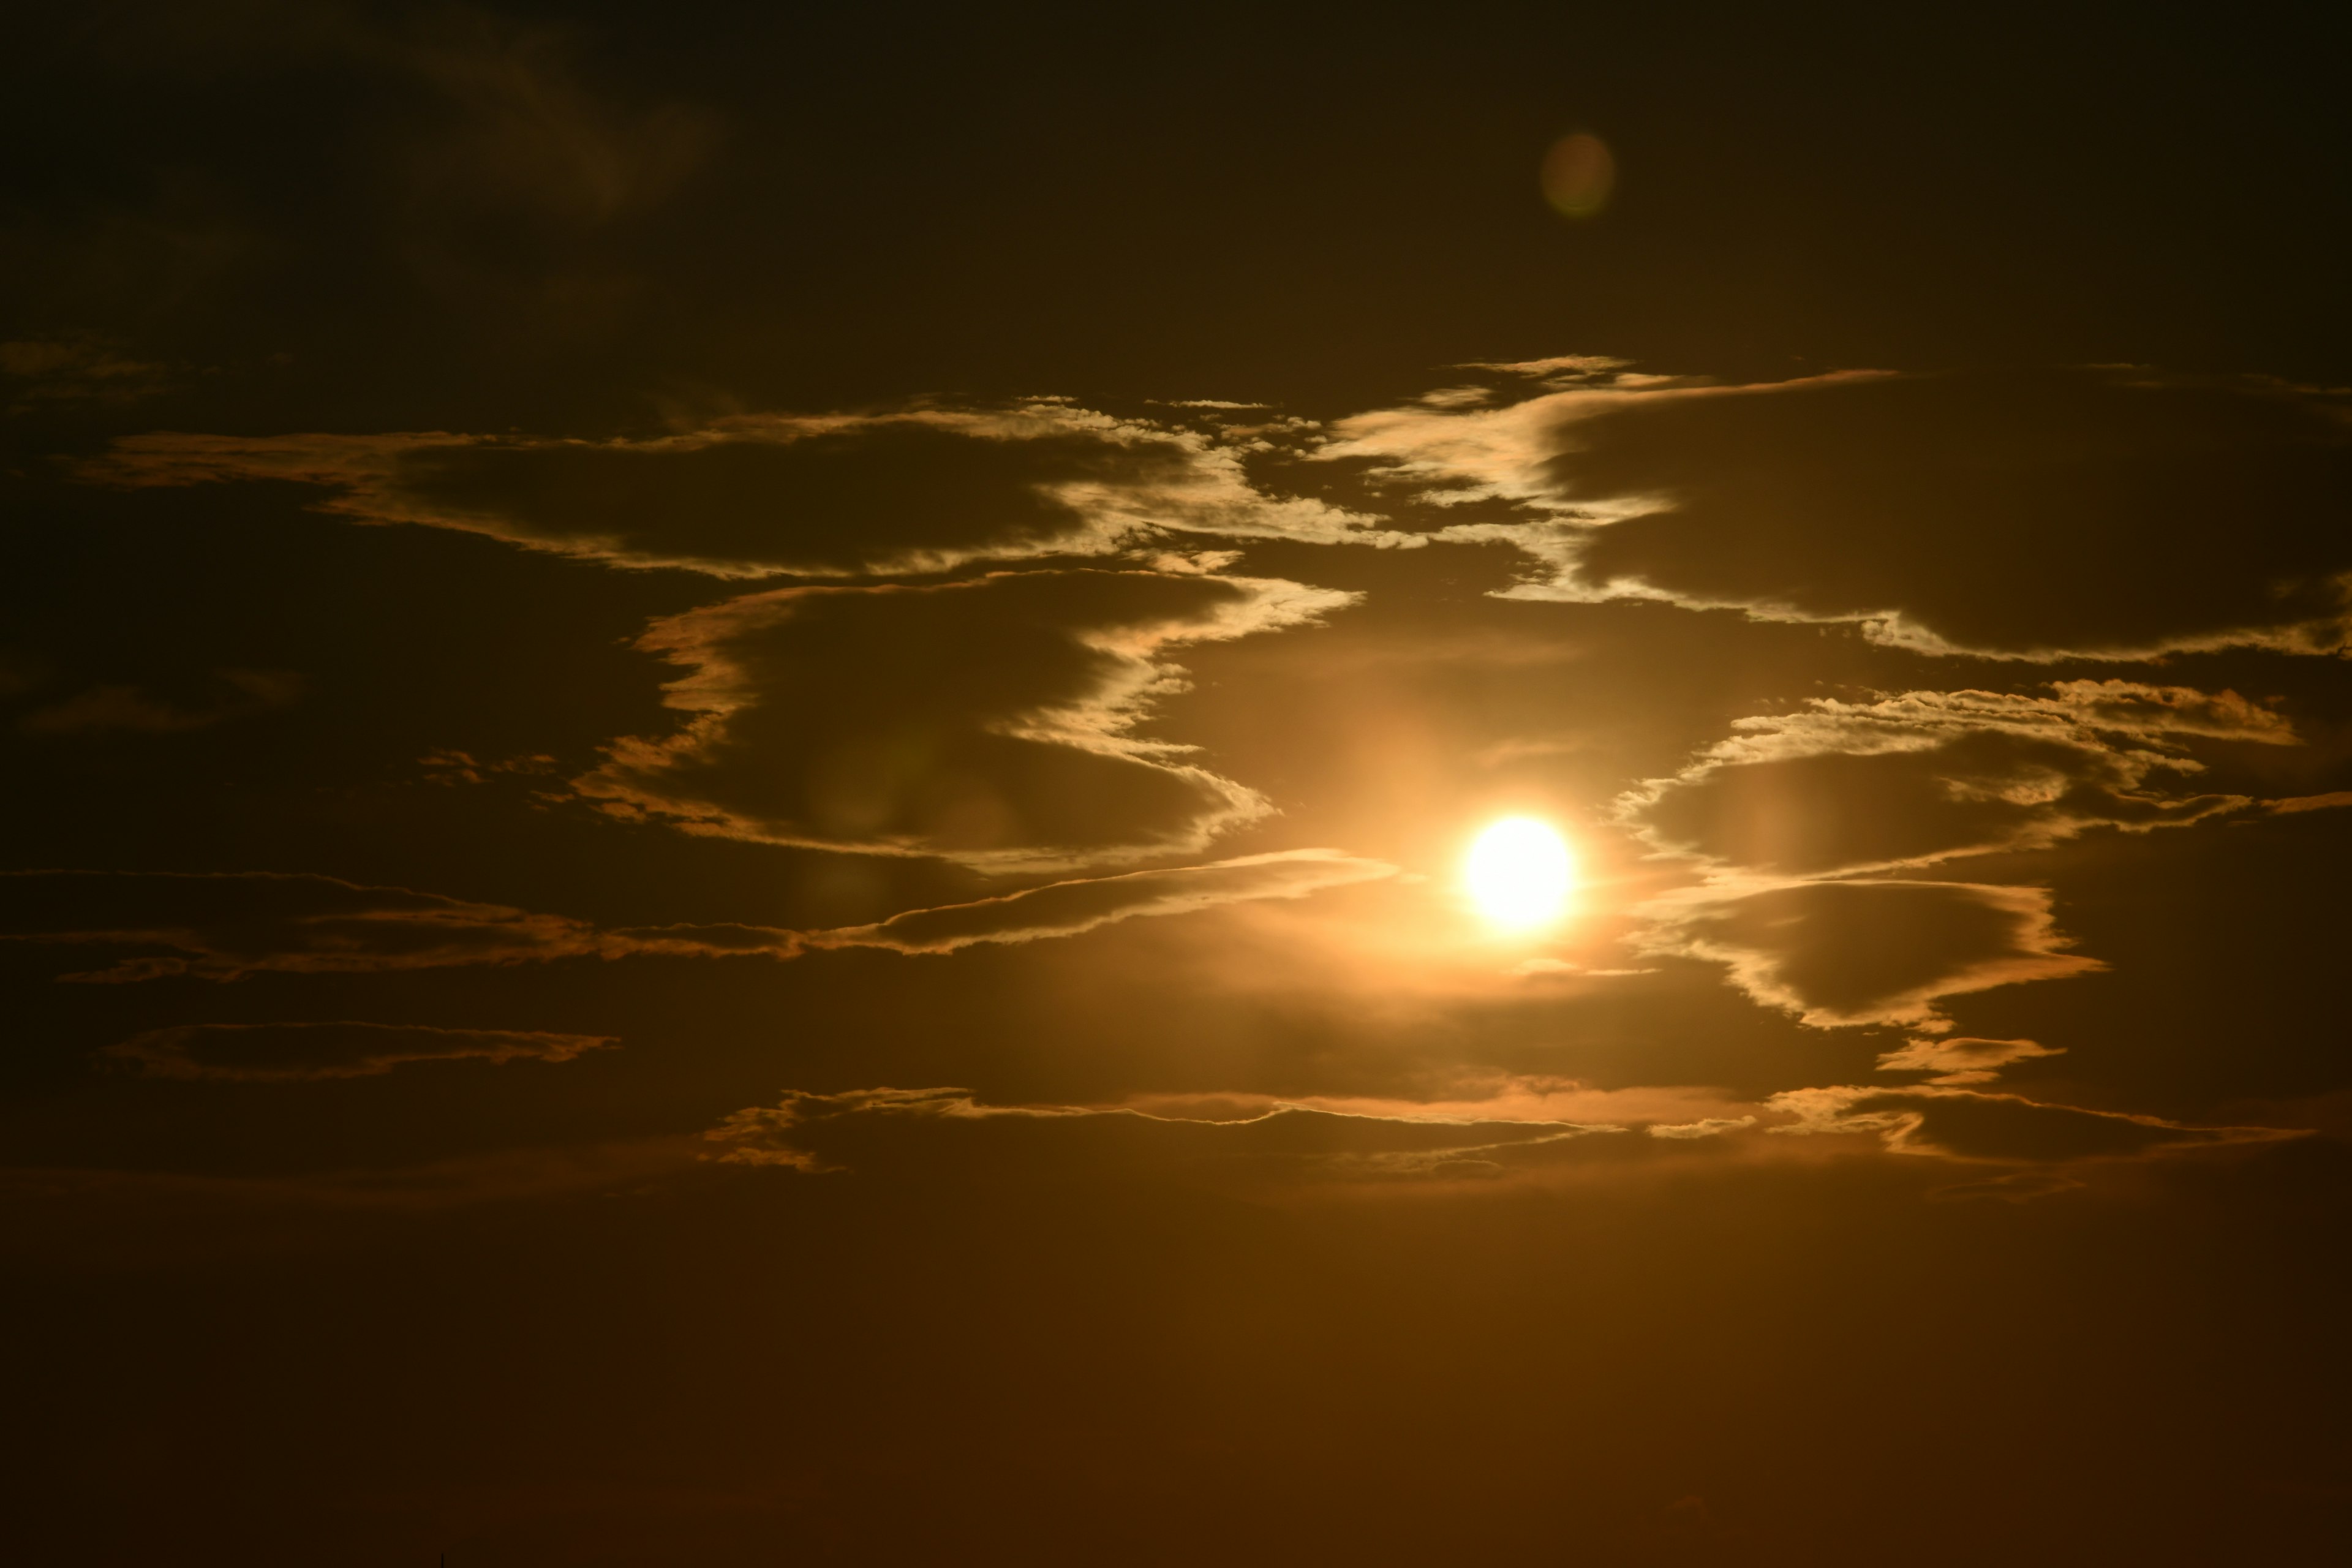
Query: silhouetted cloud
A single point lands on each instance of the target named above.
(234, 694)
(2100, 512)
(76, 368)
(758, 495)
(988, 721)
(1839, 954)
(1913, 779)
(287, 1053)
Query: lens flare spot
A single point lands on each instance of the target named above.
(1578, 176)
(1519, 873)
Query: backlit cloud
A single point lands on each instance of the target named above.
(1838, 953)
(2107, 513)
(989, 721)
(821, 1132)
(759, 494)
(1959, 1060)
(228, 925)
(1972, 1124)
(1066, 909)
(1909, 779)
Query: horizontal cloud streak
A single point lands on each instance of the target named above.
(227, 925)
(1972, 1124)
(815, 1133)
(1066, 909)
(301, 1053)
(758, 495)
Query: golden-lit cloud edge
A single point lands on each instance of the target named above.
(867, 719)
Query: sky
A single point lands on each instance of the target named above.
(748, 752)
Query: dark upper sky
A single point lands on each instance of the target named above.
(744, 745)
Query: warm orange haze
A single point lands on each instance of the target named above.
(1250, 784)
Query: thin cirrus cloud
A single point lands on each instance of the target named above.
(762, 495)
(304, 1053)
(990, 722)
(819, 1133)
(1067, 909)
(2103, 512)
(1910, 780)
(226, 926)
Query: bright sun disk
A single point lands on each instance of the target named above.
(1519, 872)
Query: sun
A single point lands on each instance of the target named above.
(1519, 872)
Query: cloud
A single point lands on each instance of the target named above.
(1972, 1124)
(1708, 1127)
(2328, 802)
(988, 721)
(1066, 909)
(294, 1053)
(235, 694)
(77, 368)
(760, 495)
(815, 1133)
(1839, 954)
(1962, 1059)
(2101, 512)
(226, 925)
(1909, 779)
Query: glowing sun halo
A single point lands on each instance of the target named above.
(1519, 873)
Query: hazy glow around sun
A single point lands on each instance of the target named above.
(1519, 872)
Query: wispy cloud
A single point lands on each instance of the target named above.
(226, 926)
